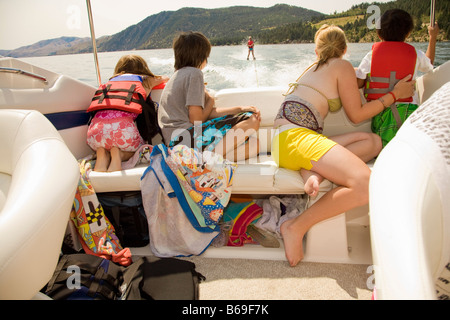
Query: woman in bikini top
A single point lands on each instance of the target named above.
(302, 113)
(343, 163)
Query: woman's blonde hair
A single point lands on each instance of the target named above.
(330, 43)
(134, 64)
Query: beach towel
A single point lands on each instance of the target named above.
(96, 233)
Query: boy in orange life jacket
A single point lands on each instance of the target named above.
(113, 133)
(389, 61)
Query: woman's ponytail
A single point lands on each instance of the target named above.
(330, 43)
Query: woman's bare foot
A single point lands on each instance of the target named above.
(312, 182)
(312, 185)
(293, 242)
(103, 160)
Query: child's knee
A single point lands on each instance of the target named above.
(253, 122)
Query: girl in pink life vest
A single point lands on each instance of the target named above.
(113, 133)
(390, 61)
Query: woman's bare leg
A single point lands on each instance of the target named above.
(351, 174)
(364, 145)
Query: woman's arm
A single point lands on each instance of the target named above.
(351, 98)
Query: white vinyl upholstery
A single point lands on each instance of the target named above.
(38, 178)
(410, 206)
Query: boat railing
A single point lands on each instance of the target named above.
(26, 73)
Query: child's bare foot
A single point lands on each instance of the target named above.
(117, 156)
(293, 242)
(103, 159)
(116, 161)
(312, 185)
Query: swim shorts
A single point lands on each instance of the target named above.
(114, 128)
(209, 134)
(295, 148)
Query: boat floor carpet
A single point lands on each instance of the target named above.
(245, 279)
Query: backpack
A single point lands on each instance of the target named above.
(126, 213)
(147, 121)
(88, 277)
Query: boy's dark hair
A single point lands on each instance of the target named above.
(395, 25)
(191, 49)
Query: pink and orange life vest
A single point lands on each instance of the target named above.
(391, 62)
(124, 92)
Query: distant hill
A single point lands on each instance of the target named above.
(224, 26)
(354, 20)
(231, 26)
(354, 23)
(48, 47)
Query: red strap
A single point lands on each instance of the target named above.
(159, 86)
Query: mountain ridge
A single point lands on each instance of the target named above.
(281, 23)
(158, 30)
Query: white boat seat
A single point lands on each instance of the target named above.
(258, 175)
(38, 178)
(410, 206)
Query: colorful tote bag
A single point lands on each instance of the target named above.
(97, 235)
(184, 193)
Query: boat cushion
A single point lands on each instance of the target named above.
(38, 178)
(5, 182)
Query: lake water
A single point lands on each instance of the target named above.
(227, 67)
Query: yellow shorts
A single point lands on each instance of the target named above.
(296, 148)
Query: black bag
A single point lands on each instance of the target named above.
(147, 121)
(126, 213)
(88, 277)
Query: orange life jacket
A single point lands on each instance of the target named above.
(124, 92)
(391, 62)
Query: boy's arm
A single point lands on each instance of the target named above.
(431, 50)
(219, 112)
(363, 69)
(198, 113)
(361, 82)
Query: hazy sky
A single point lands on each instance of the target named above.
(24, 22)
